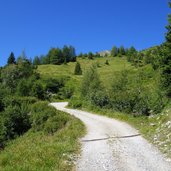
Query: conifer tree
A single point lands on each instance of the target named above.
(166, 60)
(114, 51)
(78, 70)
(11, 59)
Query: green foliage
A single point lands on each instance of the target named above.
(78, 70)
(11, 59)
(10, 76)
(131, 93)
(75, 102)
(121, 51)
(99, 98)
(36, 60)
(54, 85)
(91, 88)
(166, 60)
(38, 90)
(107, 62)
(17, 100)
(46, 118)
(114, 51)
(67, 90)
(14, 120)
(131, 54)
(40, 113)
(23, 88)
(45, 150)
(55, 123)
(91, 82)
(55, 55)
(90, 55)
(69, 54)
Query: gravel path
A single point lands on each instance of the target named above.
(123, 154)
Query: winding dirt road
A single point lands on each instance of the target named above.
(102, 153)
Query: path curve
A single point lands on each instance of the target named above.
(116, 154)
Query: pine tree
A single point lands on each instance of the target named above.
(36, 60)
(166, 60)
(121, 51)
(114, 51)
(78, 70)
(107, 62)
(11, 59)
(90, 55)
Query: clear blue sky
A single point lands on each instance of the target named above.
(88, 25)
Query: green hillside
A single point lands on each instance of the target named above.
(106, 71)
(152, 127)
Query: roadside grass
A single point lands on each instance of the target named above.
(41, 151)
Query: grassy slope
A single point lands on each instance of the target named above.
(106, 71)
(39, 151)
(156, 129)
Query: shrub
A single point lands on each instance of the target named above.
(38, 91)
(54, 85)
(55, 123)
(92, 89)
(3, 132)
(78, 70)
(17, 100)
(107, 62)
(40, 113)
(46, 118)
(14, 121)
(67, 91)
(91, 82)
(132, 93)
(75, 102)
(23, 88)
(99, 98)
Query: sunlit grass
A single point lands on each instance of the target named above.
(106, 72)
(39, 151)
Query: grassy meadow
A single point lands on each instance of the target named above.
(41, 151)
(106, 72)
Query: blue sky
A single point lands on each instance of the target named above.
(89, 25)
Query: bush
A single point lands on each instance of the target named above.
(91, 82)
(23, 88)
(92, 89)
(107, 62)
(132, 93)
(17, 100)
(54, 85)
(67, 91)
(75, 102)
(38, 91)
(40, 113)
(3, 132)
(55, 123)
(14, 121)
(78, 70)
(99, 98)
(46, 118)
